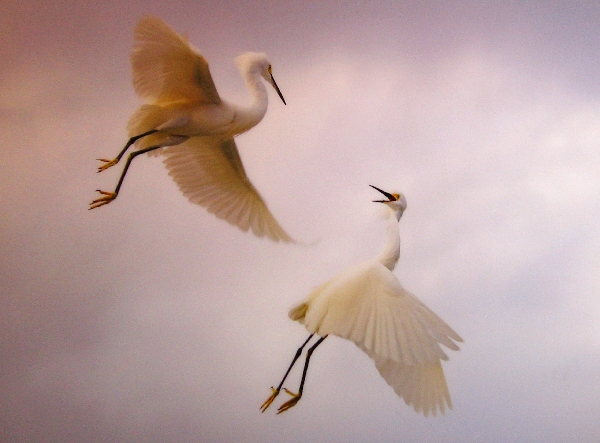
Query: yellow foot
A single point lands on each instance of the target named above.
(108, 163)
(108, 197)
(291, 402)
(267, 403)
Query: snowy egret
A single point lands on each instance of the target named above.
(367, 305)
(185, 120)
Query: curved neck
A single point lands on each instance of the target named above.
(247, 117)
(391, 251)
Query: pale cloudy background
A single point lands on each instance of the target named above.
(149, 320)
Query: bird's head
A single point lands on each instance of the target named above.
(250, 62)
(396, 201)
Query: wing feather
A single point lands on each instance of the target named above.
(368, 306)
(422, 387)
(165, 68)
(210, 173)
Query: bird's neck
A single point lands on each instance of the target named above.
(249, 116)
(391, 251)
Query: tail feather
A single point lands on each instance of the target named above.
(146, 118)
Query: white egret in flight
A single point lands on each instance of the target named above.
(185, 120)
(368, 305)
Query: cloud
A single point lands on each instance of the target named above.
(151, 320)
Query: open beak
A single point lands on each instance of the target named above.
(391, 197)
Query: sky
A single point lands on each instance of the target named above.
(149, 320)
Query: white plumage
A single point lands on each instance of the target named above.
(185, 120)
(368, 306)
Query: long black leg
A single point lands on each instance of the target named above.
(298, 354)
(131, 141)
(296, 397)
(129, 159)
(306, 362)
(110, 196)
(275, 392)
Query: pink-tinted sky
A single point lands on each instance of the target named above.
(149, 320)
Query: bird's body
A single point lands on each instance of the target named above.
(368, 306)
(185, 119)
(184, 113)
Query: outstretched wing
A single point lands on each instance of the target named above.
(423, 387)
(210, 173)
(368, 306)
(165, 67)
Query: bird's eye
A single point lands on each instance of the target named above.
(270, 70)
(396, 196)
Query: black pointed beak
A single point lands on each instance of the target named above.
(391, 198)
(277, 89)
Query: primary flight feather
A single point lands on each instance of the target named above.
(185, 120)
(368, 306)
